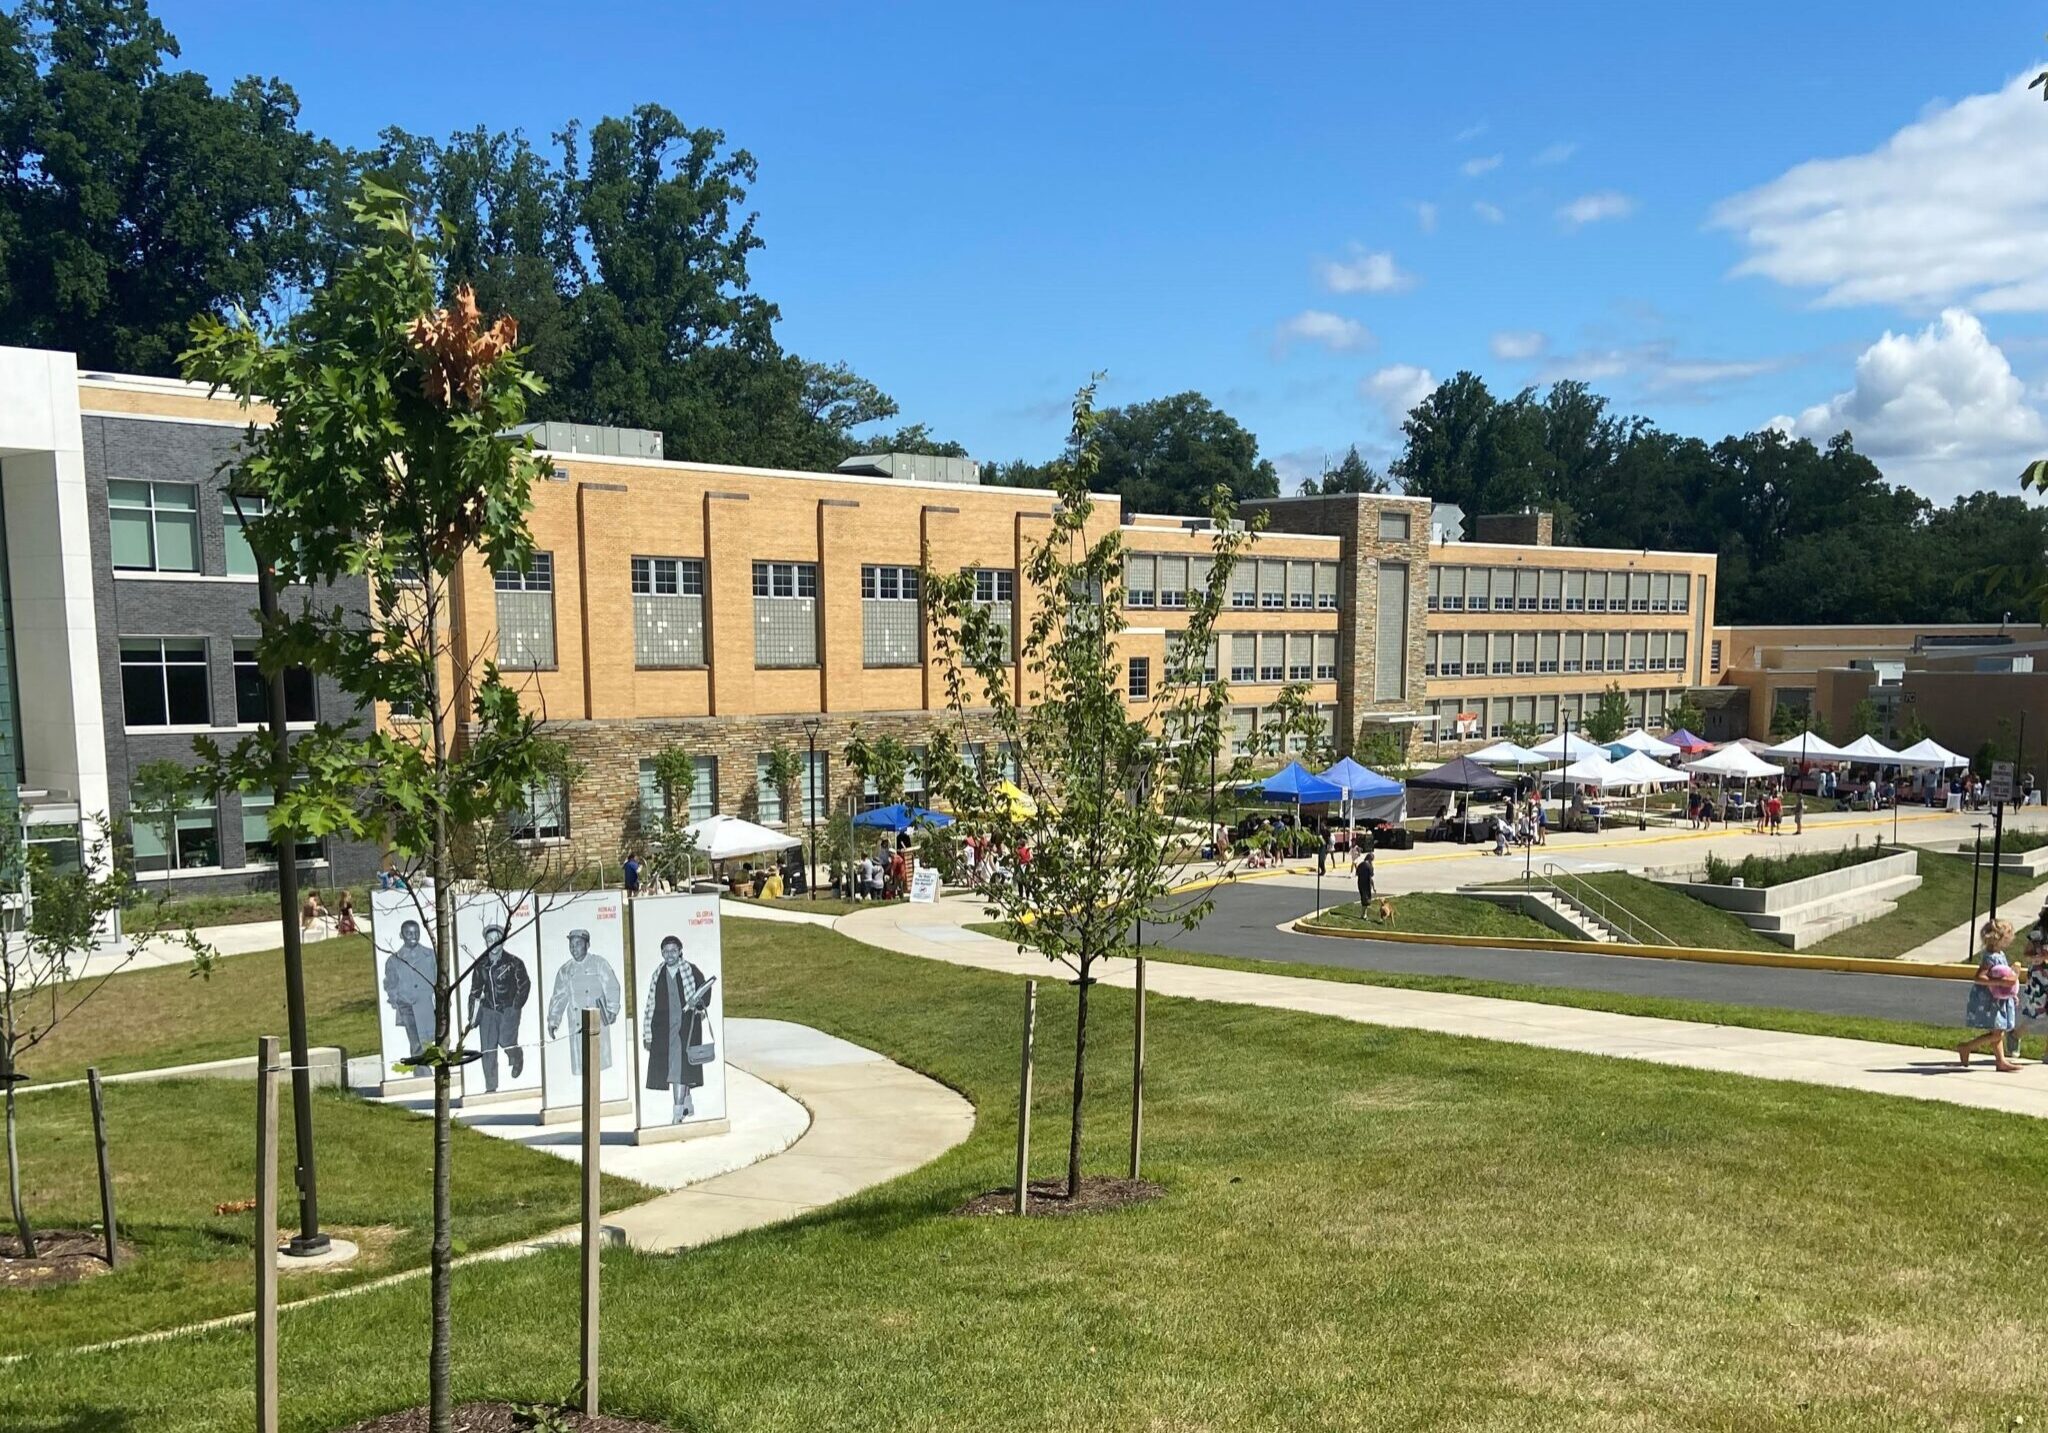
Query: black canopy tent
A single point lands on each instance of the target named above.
(1459, 778)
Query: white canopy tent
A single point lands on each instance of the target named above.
(1589, 770)
(1929, 753)
(1869, 748)
(1506, 753)
(1807, 747)
(1638, 769)
(1567, 746)
(1640, 740)
(1733, 763)
(725, 838)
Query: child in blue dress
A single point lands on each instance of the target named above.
(1993, 1006)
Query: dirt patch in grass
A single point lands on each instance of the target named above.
(63, 1256)
(1099, 1194)
(508, 1418)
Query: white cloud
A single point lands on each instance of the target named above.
(1479, 164)
(1556, 153)
(1491, 213)
(1469, 133)
(1949, 210)
(1940, 410)
(1425, 216)
(1332, 331)
(1592, 208)
(1364, 272)
(1515, 345)
(1397, 388)
(1654, 369)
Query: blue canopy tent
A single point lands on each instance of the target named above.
(901, 817)
(1366, 794)
(1295, 782)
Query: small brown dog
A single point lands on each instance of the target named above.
(1386, 911)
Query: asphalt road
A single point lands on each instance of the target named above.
(1244, 920)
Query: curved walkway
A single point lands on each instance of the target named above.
(871, 1120)
(936, 932)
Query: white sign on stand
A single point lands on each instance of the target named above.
(582, 957)
(2001, 784)
(924, 885)
(678, 970)
(404, 971)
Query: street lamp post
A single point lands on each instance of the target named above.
(811, 725)
(1976, 872)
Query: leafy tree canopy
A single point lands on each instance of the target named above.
(1165, 455)
(1350, 474)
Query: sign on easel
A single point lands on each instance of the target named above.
(582, 952)
(402, 954)
(924, 885)
(680, 1056)
(497, 949)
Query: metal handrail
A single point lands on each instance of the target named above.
(1603, 906)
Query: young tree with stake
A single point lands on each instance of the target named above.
(386, 458)
(1109, 791)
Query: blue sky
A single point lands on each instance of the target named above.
(1715, 215)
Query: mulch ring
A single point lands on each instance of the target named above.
(1099, 1194)
(63, 1256)
(507, 1418)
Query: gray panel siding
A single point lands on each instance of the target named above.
(219, 610)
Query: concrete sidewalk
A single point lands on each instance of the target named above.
(936, 933)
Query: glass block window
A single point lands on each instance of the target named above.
(996, 588)
(164, 682)
(1173, 582)
(890, 622)
(241, 558)
(526, 615)
(153, 527)
(1244, 657)
(785, 614)
(1272, 657)
(1301, 586)
(668, 612)
(258, 849)
(1272, 584)
(1244, 585)
(1300, 657)
(194, 841)
(1326, 587)
(543, 813)
(1326, 656)
(1393, 525)
(252, 691)
(1141, 580)
(1138, 679)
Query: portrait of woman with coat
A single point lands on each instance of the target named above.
(677, 1034)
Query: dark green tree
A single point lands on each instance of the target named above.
(1169, 455)
(1350, 474)
(1611, 717)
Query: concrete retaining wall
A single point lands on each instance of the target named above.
(2032, 863)
(1774, 900)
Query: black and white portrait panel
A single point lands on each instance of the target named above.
(677, 970)
(402, 942)
(496, 946)
(582, 952)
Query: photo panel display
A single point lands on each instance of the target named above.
(582, 967)
(678, 983)
(403, 961)
(497, 948)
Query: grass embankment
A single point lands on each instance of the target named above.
(1433, 914)
(1939, 904)
(1416, 1231)
(147, 1019)
(237, 907)
(1764, 871)
(181, 1148)
(1677, 917)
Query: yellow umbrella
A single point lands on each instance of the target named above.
(1020, 804)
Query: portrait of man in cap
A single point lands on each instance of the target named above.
(587, 982)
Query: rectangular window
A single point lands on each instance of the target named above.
(194, 841)
(1638, 651)
(1390, 658)
(252, 692)
(164, 682)
(1326, 656)
(1546, 654)
(1677, 653)
(1575, 592)
(1240, 731)
(1660, 591)
(1433, 600)
(1617, 651)
(258, 849)
(1596, 592)
(1244, 657)
(1244, 585)
(1141, 580)
(1478, 586)
(1550, 585)
(890, 616)
(1659, 645)
(1301, 586)
(543, 813)
(1326, 587)
(1639, 592)
(526, 615)
(1272, 584)
(1212, 664)
(814, 784)
(1546, 715)
(1301, 659)
(1617, 592)
(1503, 589)
(1138, 679)
(1525, 590)
(668, 611)
(767, 795)
(154, 527)
(1714, 657)
(1393, 525)
(241, 558)
(703, 801)
(1525, 654)
(1503, 654)
(1453, 589)
(1272, 657)
(1574, 651)
(1681, 587)
(785, 614)
(1430, 647)
(996, 589)
(1173, 582)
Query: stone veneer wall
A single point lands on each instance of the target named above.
(1355, 518)
(607, 794)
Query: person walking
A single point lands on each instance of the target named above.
(631, 871)
(1993, 1004)
(1363, 870)
(1799, 812)
(310, 915)
(345, 912)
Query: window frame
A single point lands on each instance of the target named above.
(153, 509)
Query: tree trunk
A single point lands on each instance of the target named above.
(21, 1225)
(1080, 1081)
(441, 1253)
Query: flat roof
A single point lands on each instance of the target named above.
(1459, 543)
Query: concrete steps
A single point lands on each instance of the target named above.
(1563, 915)
(1803, 925)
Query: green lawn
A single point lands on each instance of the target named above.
(1433, 914)
(1679, 918)
(146, 1019)
(1941, 903)
(1364, 1228)
(181, 1148)
(820, 905)
(238, 907)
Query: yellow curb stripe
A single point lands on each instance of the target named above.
(1852, 964)
(1596, 844)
